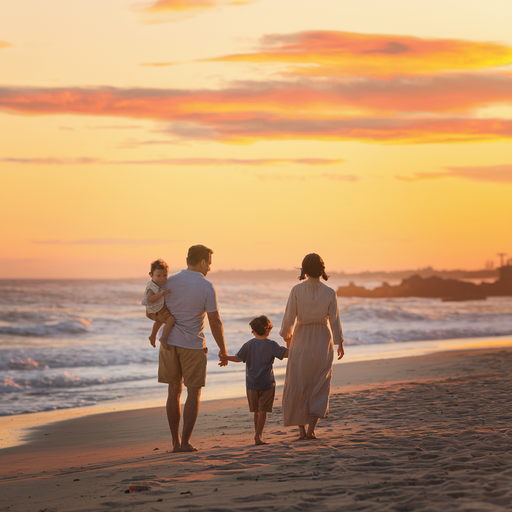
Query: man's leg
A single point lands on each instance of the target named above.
(174, 414)
(190, 413)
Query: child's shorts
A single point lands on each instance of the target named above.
(261, 401)
(161, 315)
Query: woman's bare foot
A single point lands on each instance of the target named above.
(188, 448)
(311, 436)
(152, 341)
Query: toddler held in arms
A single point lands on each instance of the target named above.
(258, 354)
(154, 300)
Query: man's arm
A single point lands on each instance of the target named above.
(217, 329)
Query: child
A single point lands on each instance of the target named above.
(155, 302)
(259, 354)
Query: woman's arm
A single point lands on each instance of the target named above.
(335, 323)
(290, 314)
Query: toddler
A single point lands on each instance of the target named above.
(258, 354)
(154, 300)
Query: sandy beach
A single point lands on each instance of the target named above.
(423, 433)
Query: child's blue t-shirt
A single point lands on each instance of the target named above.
(258, 355)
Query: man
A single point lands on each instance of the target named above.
(192, 298)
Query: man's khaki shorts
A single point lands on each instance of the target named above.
(261, 401)
(178, 364)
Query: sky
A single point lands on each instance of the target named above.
(376, 133)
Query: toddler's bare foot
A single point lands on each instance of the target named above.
(188, 448)
(152, 341)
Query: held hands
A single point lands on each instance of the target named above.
(223, 358)
(341, 352)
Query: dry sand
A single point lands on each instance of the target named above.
(422, 433)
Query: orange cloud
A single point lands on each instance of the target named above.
(102, 241)
(5, 44)
(415, 110)
(276, 176)
(329, 53)
(173, 10)
(174, 161)
(389, 131)
(299, 99)
(493, 173)
(489, 173)
(157, 64)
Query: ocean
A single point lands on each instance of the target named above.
(75, 343)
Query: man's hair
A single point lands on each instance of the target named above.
(261, 325)
(158, 264)
(198, 253)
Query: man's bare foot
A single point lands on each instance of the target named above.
(259, 440)
(176, 448)
(311, 435)
(152, 341)
(188, 448)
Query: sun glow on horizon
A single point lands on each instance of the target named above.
(381, 142)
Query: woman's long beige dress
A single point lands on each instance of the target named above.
(308, 372)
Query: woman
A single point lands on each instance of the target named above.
(309, 370)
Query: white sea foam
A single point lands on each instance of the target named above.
(75, 343)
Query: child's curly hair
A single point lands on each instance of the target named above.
(158, 264)
(261, 325)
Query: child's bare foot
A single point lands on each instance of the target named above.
(311, 435)
(302, 432)
(259, 440)
(188, 448)
(152, 341)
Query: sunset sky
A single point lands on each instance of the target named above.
(377, 133)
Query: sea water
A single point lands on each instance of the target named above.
(75, 343)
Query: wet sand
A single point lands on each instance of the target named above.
(422, 433)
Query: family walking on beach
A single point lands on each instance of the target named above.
(180, 303)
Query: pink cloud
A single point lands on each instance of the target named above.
(415, 110)
(489, 173)
(331, 53)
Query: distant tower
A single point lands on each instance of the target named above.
(502, 255)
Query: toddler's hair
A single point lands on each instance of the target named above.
(313, 265)
(261, 325)
(158, 264)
